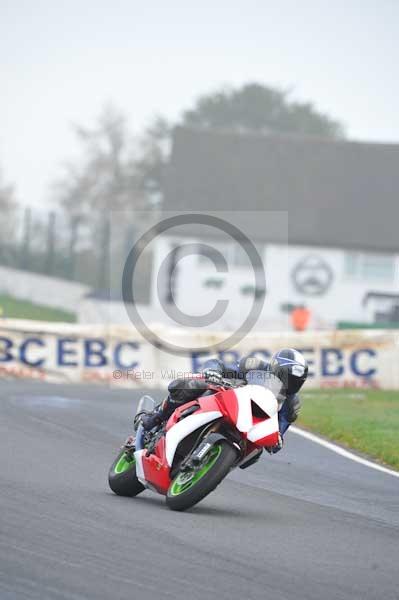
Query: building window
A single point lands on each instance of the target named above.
(362, 265)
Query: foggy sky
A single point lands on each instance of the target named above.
(61, 62)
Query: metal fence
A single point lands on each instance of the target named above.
(68, 248)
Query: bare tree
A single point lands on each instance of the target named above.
(8, 206)
(152, 158)
(115, 172)
(105, 177)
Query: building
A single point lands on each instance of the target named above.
(336, 249)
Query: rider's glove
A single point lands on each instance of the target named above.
(137, 420)
(277, 447)
(150, 420)
(212, 376)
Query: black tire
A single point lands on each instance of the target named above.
(207, 483)
(124, 483)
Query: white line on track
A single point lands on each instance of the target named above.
(338, 450)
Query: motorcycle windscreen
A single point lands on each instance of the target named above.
(267, 380)
(146, 404)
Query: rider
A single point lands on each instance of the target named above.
(284, 375)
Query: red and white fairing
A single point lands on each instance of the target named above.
(262, 432)
(235, 406)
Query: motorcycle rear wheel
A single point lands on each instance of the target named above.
(190, 487)
(122, 476)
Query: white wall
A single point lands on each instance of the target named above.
(41, 289)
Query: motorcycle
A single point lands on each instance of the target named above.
(203, 440)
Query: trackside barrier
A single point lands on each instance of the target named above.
(119, 355)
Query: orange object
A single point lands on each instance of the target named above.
(300, 318)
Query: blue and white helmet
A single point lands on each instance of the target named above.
(291, 368)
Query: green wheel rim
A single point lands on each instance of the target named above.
(125, 463)
(187, 480)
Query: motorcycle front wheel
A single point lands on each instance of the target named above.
(191, 486)
(122, 476)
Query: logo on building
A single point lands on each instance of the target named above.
(312, 276)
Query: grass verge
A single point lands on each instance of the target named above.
(365, 420)
(11, 308)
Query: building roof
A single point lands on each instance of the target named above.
(337, 193)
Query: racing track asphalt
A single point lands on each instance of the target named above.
(305, 525)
